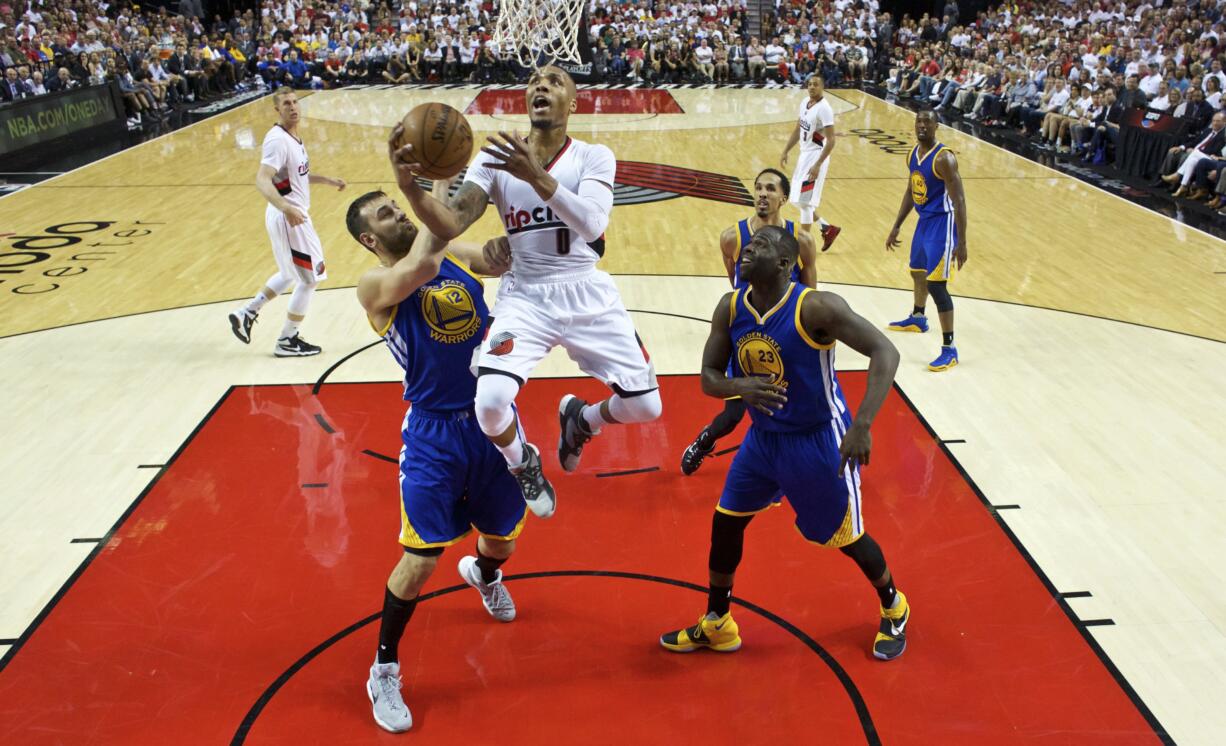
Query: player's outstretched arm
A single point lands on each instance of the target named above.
(443, 220)
(491, 259)
(808, 259)
(827, 316)
(329, 180)
(948, 165)
(755, 392)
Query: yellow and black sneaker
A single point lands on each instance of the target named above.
(892, 635)
(719, 634)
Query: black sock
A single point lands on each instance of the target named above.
(718, 599)
(488, 567)
(947, 339)
(917, 311)
(725, 422)
(886, 592)
(396, 615)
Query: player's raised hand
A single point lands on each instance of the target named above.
(512, 155)
(761, 394)
(497, 253)
(294, 216)
(404, 161)
(891, 241)
(855, 446)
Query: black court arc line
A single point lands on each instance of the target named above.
(627, 472)
(1004, 507)
(947, 441)
(1103, 658)
(1097, 622)
(380, 456)
(324, 376)
(871, 736)
(324, 424)
(728, 450)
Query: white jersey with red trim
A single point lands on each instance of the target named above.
(814, 118)
(542, 247)
(288, 158)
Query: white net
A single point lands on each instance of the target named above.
(527, 29)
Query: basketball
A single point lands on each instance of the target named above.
(441, 138)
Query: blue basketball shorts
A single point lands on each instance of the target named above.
(932, 246)
(453, 480)
(805, 468)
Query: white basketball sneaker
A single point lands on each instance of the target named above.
(494, 595)
(383, 688)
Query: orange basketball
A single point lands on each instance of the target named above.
(441, 138)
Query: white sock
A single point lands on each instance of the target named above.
(255, 304)
(593, 419)
(513, 452)
(822, 224)
(290, 328)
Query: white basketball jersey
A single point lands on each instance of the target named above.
(541, 244)
(288, 157)
(814, 119)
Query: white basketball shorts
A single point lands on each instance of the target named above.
(297, 250)
(806, 193)
(584, 314)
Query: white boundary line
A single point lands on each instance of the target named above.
(133, 147)
(1178, 224)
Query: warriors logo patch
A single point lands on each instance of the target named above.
(449, 311)
(919, 188)
(759, 355)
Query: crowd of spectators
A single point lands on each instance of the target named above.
(1062, 72)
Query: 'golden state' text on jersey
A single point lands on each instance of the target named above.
(775, 346)
(432, 335)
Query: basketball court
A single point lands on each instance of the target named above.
(197, 533)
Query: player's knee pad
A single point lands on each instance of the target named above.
(279, 283)
(300, 300)
(636, 407)
(940, 296)
(867, 554)
(727, 541)
(495, 395)
(426, 552)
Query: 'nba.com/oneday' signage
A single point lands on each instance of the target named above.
(33, 121)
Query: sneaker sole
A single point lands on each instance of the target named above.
(562, 405)
(371, 696)
(881, 657)
(236, 326)
(283, 353)
(715, 648)
(914, 329)
(939, 368)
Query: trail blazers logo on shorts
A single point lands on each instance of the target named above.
(502, 343)
(638, 183)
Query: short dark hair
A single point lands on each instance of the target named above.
(781, 239)
(783, 180)
(354, 220)
(925, 111)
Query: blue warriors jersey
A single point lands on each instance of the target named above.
(432, 335)
(775, 345)
(927, 186)
(743, 239)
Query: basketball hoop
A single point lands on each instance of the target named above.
(528, 28)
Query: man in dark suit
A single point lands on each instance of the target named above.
(1132, 97)
(1197, 110)
(12, 88)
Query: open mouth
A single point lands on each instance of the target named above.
(540, 104)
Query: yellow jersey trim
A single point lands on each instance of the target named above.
(464, 268)
(739, 514)
(736, 296)
(410, 538)
(519, 527)
(388, 325)
(800, 327)
(762, 319)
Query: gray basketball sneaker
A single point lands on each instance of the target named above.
(383, 688)
(494, 595)
(575, 434)
(537, 490)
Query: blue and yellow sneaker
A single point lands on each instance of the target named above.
(892, 634)
(946, 360)
(719, 634)
(912, 323)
